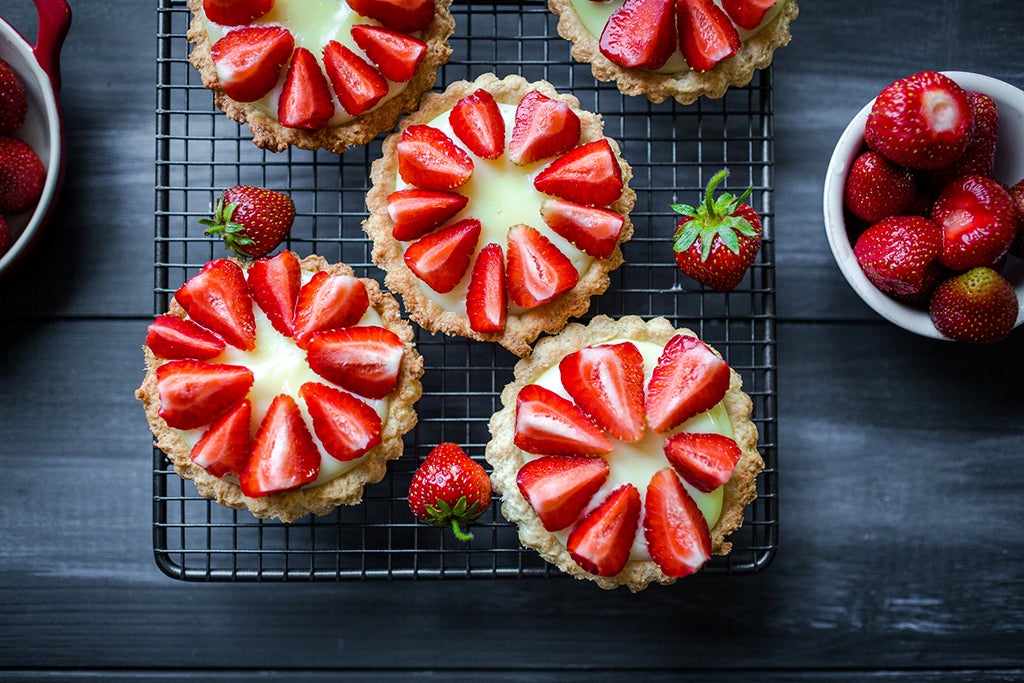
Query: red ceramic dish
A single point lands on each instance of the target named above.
(38, 66)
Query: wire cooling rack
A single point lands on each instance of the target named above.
(673, 151)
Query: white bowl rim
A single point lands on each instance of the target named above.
(43, 83)
(907, 317)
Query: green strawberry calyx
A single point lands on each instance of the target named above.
(235, 237)
(713, 217)
(461, 514)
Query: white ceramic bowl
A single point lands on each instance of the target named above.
(1009, 169)
(42, 128)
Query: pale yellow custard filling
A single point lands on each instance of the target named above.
(313, 24)
(279, 367)
(636, 463)
(594, 15)
(501, 195)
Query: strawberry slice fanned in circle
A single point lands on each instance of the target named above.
(325, 317)
(593, 439)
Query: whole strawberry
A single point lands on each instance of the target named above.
(1017, 197)
(978, 220)
(22, 176)
(978, 306)
(979, 158)
(6, 238)
(450, 488)
(251, 220)
(13, 102)
(899, 255)
(876, 188)
(922, 121)
(717, 241)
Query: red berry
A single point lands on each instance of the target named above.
(252, 221)
(876, 188)
(978, 220)
(978, 306)
(13, 100)
(450, 489)
(921, 121)
(22, 176)
(899, 255)
(640, 34)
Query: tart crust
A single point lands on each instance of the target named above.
(522, 327)
(267, 131)
(685, 86)
(347, 488)
(506, 458)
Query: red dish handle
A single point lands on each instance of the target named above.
(54, 22)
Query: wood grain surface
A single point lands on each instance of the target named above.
(901, 553)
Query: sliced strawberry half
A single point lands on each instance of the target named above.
(364, 360)
(747, 14)
(173, 338)
(537, 271)
(415, 212)
(284, 455)
(429, 159)
(194, 393)
(487, 297)
(442, 258)
(559, 487)
(274, 285)
(306, 101)
(345, 425)
(358, 85)
(706, 36)
(705, 461)
(594, 230)
(218, 299)
(224, 448)
(401, 15)
(328, 302)
(677, 533)
(607, 382)
(588, 174)
(477, 122)
(396, 55)
(549, 424)
(602, 541)
(544, 127)
(688, 379)
(640, 34)
(249, 60)
(235, 12)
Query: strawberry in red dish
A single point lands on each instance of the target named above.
(684, 49)
(315, 75)
(498, 209)
(279, 385)
(624, 451)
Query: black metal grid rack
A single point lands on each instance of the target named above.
(673, 151)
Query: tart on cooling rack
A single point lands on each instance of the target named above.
(682, 49)
(498, 209)
(281, 386)
(625, 452)
(318, 73)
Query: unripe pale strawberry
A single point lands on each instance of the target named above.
(978, 306)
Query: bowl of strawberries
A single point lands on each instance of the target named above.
(924, 205)
(31, 166)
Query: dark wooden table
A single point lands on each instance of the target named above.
(901, 552)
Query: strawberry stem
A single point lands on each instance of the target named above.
(459, 533)
(714, 218)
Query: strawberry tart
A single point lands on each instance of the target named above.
(625, 452)
(318, 73)
(682, 49)
(498, 209)
(281, 386)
